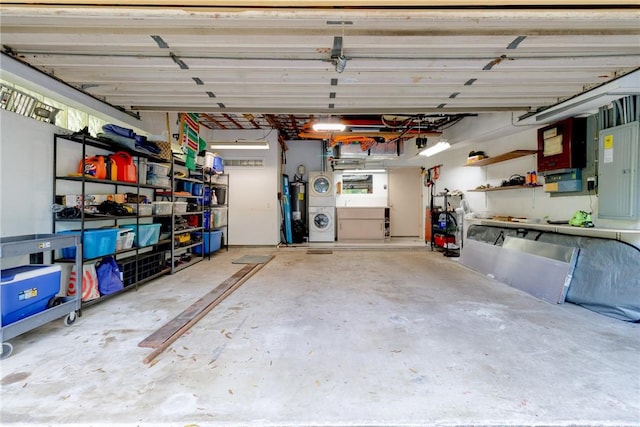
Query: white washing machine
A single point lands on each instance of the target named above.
(322, 224)
(321, 192)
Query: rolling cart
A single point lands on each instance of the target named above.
(57, 307)
(445, 230)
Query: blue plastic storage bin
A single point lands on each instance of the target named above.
(218, 164)
(185, 186)
(96, 243)
(146, 234)
(27, 290)
(209, 237)
(206, 219)
(206, 197)
(196, 190)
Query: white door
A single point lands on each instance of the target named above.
(405, 202)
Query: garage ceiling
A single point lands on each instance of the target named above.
(263, 67)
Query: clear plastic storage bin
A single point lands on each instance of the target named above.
(179, 207)
(145, 234)
(125, 239)
(158, 169)
(142, 209)
(162, 208)
(159, 180)
(219, 217)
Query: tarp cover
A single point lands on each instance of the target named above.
(607, 275)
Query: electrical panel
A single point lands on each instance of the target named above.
(618, 172)
(563, 145)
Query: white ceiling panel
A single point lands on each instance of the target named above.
(283, 60)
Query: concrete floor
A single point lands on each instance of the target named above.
(357, 337)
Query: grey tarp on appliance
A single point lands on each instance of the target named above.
(607, 275)
(525, 266)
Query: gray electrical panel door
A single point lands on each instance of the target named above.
(618, 177)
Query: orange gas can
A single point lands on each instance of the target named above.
(126, 168)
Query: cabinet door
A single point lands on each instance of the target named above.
(618, 164)
(361, 229)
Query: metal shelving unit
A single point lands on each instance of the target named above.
(221, 182)
(86, 141)
(60, 306)
(182, 255)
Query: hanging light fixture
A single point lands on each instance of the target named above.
(336, 127)
(435, 149)
(420, 141)
(240, 145)
(329, 126)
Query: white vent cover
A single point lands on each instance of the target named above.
(244, 163)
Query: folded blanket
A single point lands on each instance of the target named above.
(119, 130)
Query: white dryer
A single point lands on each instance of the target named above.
(322, 223)
(321, 192)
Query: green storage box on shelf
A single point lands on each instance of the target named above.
(146, 234)
(211, 241)
(96, 243)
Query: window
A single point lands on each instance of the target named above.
(357, 184)
(36, 106)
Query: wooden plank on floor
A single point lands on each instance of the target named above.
(157, 351)
(165, 332)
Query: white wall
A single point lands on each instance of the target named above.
(26, 181)
(529, 203)
(254, 208)
(26, 175)
(306, 153)
(378, 198)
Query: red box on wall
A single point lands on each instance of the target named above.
(563, 145)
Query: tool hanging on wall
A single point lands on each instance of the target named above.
(431, 175)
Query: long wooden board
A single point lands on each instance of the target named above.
(170, 328)
(156, 352)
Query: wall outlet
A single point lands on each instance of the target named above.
(591, 183)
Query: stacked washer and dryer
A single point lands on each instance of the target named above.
(322, 207)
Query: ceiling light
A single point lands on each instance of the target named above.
(356, 171)
(435, 149)
(339, 127)
(239, 145)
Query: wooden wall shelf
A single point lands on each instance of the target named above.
(503, 157)
(507, 187)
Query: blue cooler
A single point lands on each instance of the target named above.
(26, 290)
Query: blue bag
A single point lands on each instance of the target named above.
(109, 281)
(119, 130)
